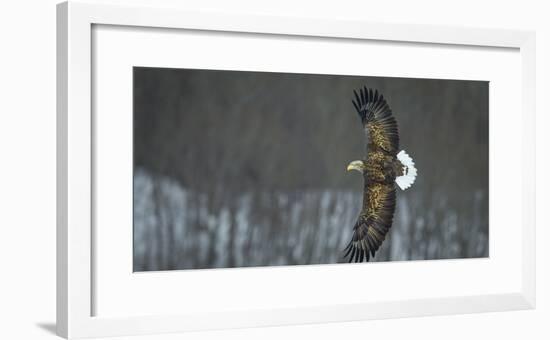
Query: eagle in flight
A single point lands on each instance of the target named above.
(383, 167)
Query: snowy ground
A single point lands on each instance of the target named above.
(178, 229)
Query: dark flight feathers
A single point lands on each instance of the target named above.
(376, 216)
(374, 222)
(377, 120)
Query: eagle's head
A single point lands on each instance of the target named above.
(356, 165)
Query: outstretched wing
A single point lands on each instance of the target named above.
(373, 223)
(378, 121)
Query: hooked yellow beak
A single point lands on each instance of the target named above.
(355, 165)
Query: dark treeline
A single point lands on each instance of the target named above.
(248, 169)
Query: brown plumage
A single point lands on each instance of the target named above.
(380, 169)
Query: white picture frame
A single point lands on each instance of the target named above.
(75, 179)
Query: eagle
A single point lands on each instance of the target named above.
(383, 167)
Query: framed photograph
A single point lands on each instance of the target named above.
(221, 170)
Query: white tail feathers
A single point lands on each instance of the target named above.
(409, 171)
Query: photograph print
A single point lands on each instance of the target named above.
(247, 169)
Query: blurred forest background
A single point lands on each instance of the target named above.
(236, 169)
